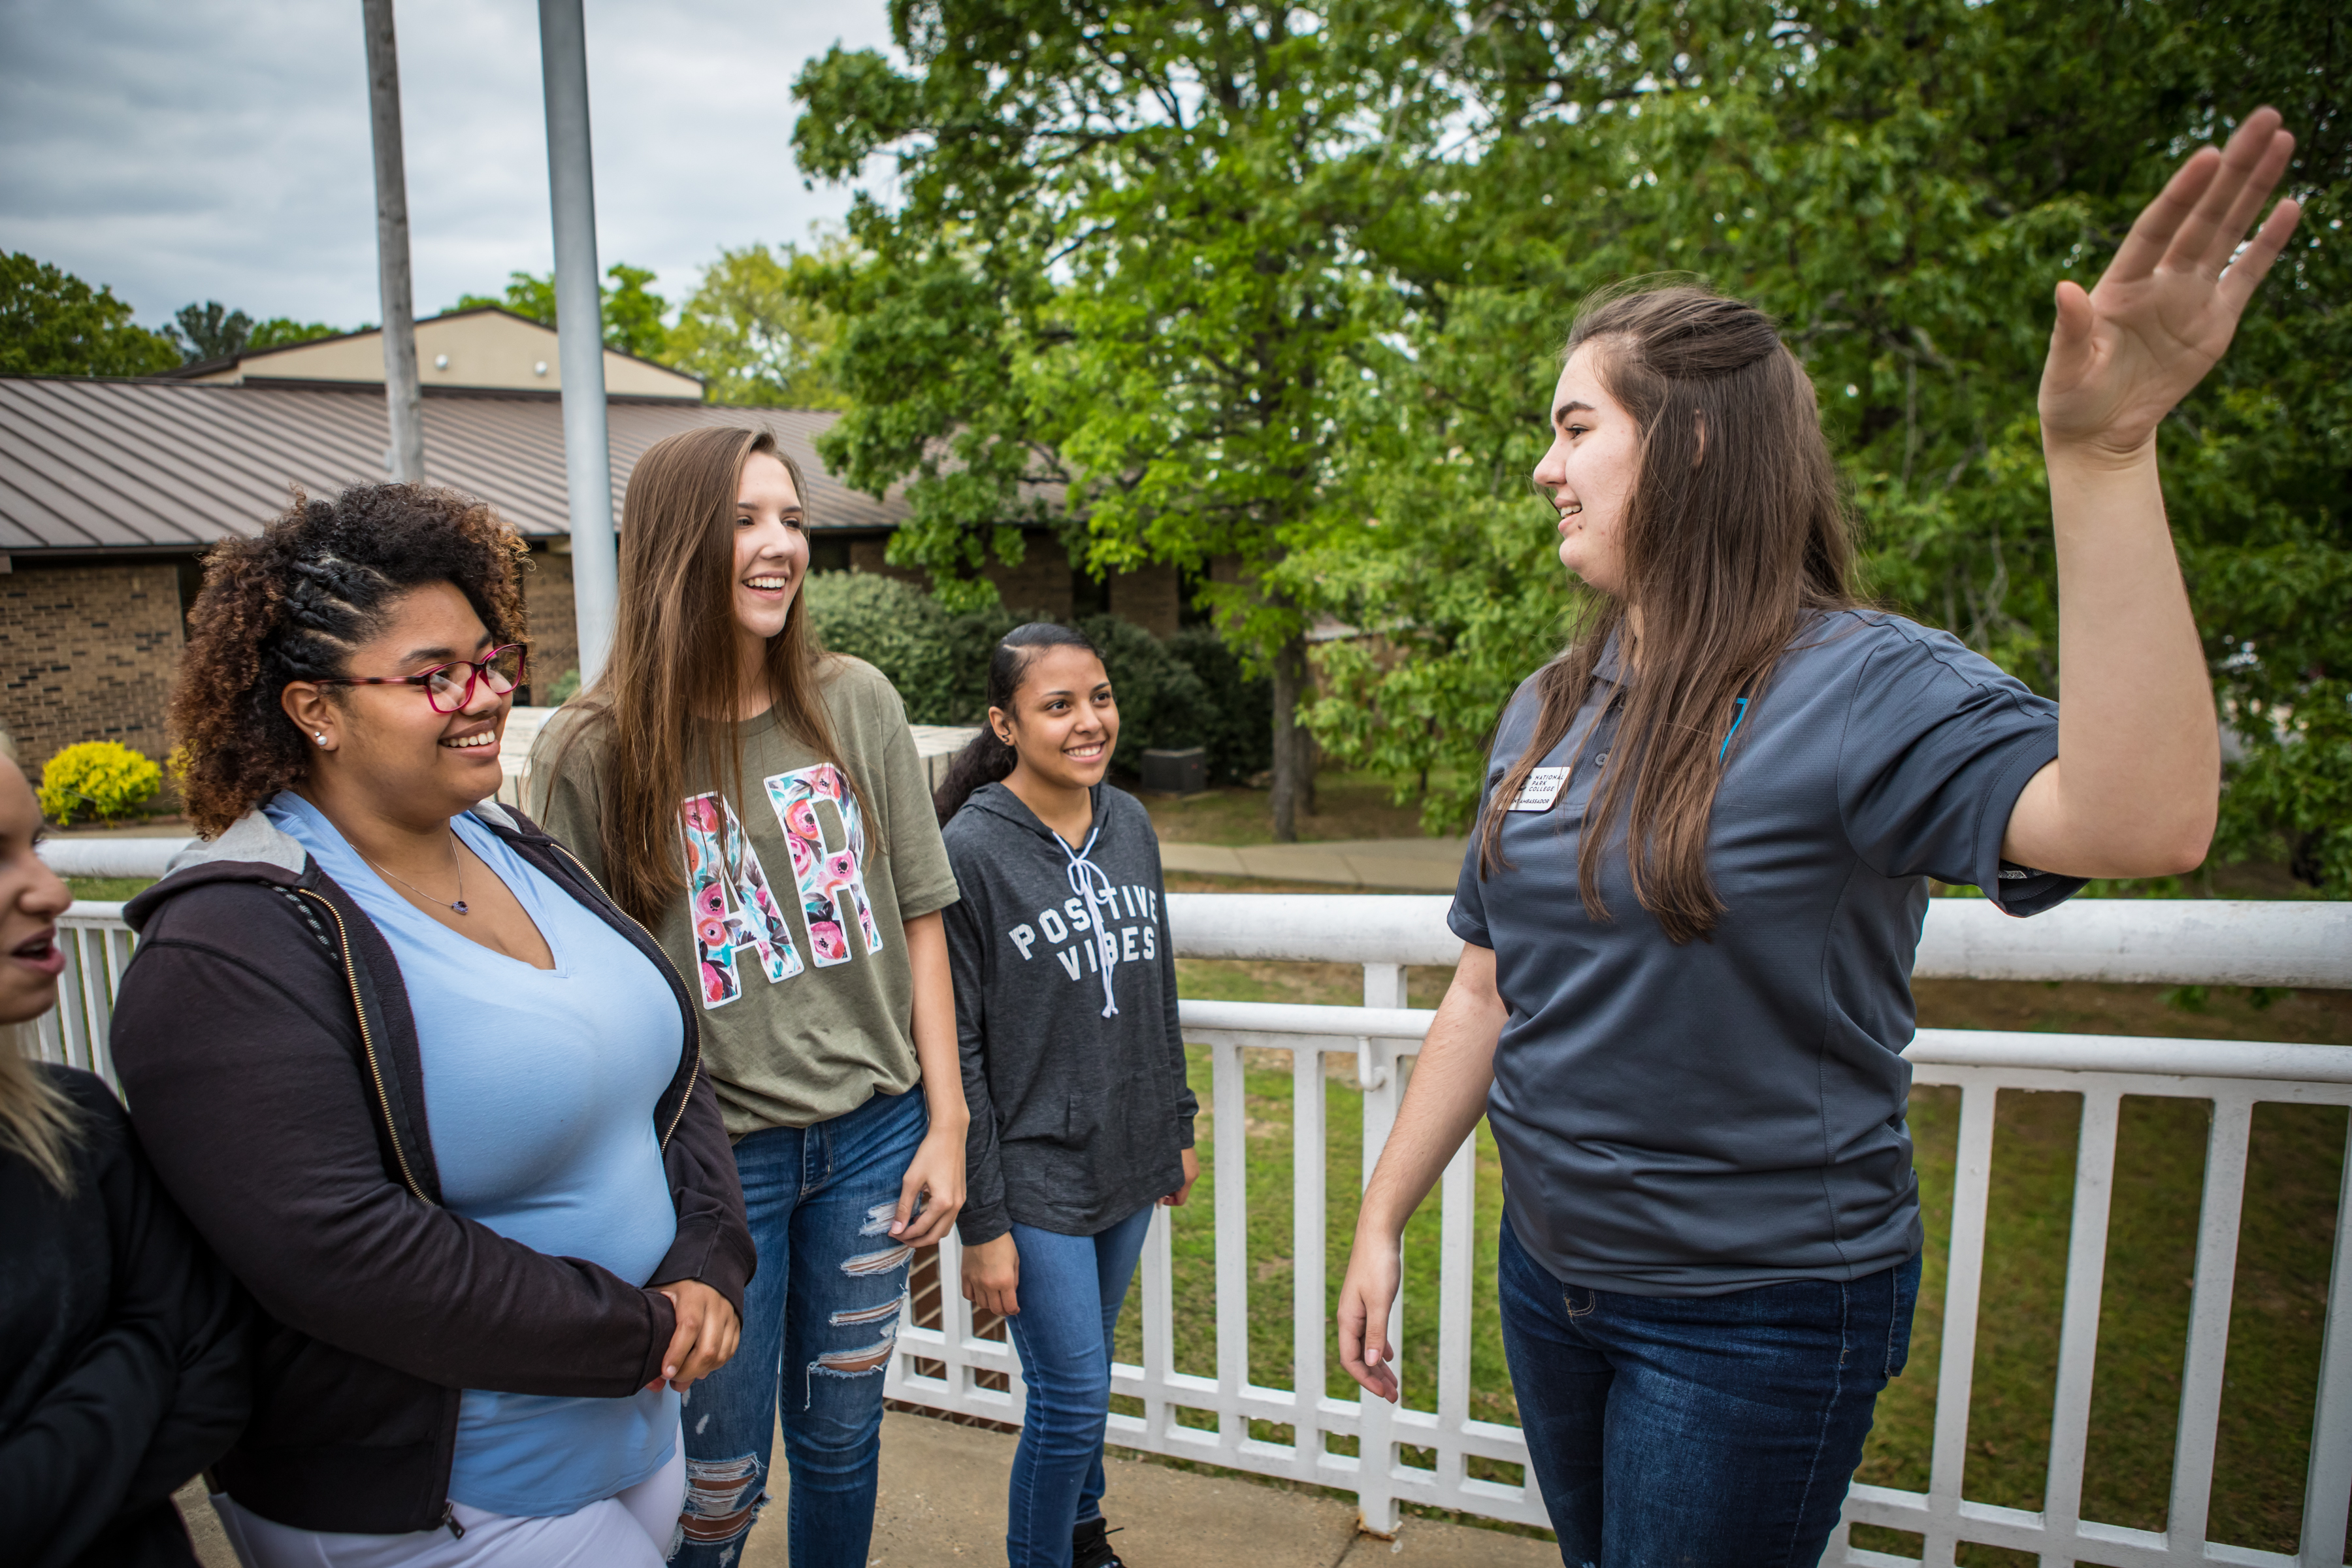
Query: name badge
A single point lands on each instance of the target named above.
(1542, 788)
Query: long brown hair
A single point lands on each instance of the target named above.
(37, 1123)
(1736, 535)
(674, 657)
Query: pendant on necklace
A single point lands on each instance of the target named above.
(459, 907)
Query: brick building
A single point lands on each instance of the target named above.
(86, 648)
(111, 490)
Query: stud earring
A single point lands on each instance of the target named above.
(319, 736)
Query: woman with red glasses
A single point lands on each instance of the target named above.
(428, 1092)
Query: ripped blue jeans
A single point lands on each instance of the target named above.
(819, 1323)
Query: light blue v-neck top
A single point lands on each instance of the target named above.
(539, 1089)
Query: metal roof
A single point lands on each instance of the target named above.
(158, 465)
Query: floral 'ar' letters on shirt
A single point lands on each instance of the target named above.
(719, 860)
(830, 878)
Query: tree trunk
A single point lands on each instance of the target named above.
(1293, 753)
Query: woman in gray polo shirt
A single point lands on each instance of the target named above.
(1691, 905)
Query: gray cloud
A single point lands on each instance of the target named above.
(187, 151)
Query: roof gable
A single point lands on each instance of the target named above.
(485, 347)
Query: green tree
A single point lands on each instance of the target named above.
(210, 330)
(633, 313)
(1134, 264)
(530, 294)
(282, 331)
(53, 323)
(756, 339)
(1902, 185)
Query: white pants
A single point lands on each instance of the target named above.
(633, 1529)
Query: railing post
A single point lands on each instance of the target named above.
(1964, 1278)
(1159, 1327)
(1457, 1255)
(1384, 987)
(2208, 1319)
(955, 1321)
(2327, 1489)
(2078, 1329)
(1376, 1504)
(1309, 1195)
(1230, 1093)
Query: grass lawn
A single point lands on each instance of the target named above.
(109, 889)
(1347, 805)
(2282, 1283)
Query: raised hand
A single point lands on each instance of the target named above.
(2122, 356)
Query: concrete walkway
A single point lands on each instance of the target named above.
(1408, 865)
(942, 1500)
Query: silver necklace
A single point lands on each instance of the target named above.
(456, 864)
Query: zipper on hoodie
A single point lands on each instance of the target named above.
(694, 1068)
(367, 1044)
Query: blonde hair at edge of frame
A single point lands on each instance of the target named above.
(36, 1120)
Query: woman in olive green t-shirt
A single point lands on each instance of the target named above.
(759, 806)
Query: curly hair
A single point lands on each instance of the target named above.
(293, 604)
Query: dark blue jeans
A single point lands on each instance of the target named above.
(1698, 1430)
(1070, 1292)
(820, 1321)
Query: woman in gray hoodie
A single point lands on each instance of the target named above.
(1072, 1068)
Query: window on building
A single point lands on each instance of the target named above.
(828, 554)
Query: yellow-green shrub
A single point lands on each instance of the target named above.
(104, 779)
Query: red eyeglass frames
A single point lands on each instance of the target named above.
(501, 669)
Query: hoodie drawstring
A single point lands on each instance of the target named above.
(1091, 882)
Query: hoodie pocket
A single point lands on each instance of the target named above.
(1084, 1120)
(1047, 1117)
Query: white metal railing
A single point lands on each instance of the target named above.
(2186, 942)
(2102, 1070)
(97, 946)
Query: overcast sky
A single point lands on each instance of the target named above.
(189, 150)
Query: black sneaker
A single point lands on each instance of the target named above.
(1089, 1549)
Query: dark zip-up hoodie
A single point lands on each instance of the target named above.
(1065, 1009)
(264, 1044)
(125, 1355)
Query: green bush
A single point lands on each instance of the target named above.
(938, 661)
(892, 626)
(1162, 702)
(1187, 692)
(103, 779)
